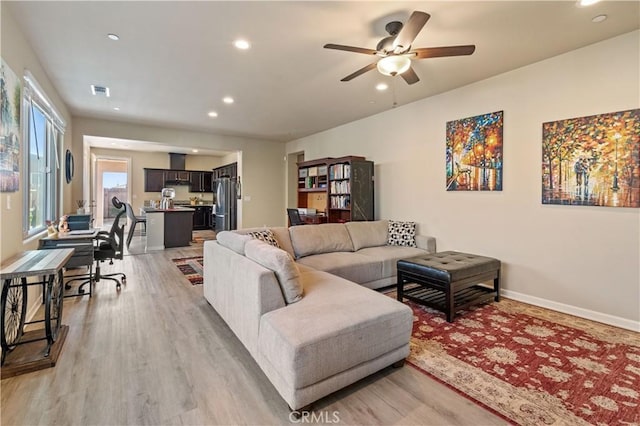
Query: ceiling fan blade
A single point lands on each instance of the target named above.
(410, 76)
(439, 52)
(351, 49)
(359, 72)
(410, 30)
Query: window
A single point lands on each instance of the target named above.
(43, 131)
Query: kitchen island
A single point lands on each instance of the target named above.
(168, 228)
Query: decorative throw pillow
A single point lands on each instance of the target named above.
(402, 233)
(266, 236)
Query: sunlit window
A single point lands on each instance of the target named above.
(43, 135)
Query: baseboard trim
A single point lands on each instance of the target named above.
(573, 310)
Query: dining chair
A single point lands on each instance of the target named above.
(134, 221)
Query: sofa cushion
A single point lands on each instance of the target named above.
(388, 256)
(280, 262)
(402, 233)
(324, 238)
(280, 232)
(233, 241)
(348, 265)
(265, 235)
(336, 326)
(368, 234)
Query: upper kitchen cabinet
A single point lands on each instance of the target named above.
(230, 170)
(153, 180)
(201, 181)
(177, 176)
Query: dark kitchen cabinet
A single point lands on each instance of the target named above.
(176, 176)
(153, 180)
(201, 181)
(202, 217)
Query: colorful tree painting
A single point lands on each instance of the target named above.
(10, 90)
(593, 161)
(474, 153)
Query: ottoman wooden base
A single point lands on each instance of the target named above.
(448, 281)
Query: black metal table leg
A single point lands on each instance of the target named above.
(13, 303)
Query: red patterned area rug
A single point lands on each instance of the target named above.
(191, 267)
(530, 365)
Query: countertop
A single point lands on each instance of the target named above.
(176, 209)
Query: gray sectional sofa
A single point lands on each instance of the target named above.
(339, 331)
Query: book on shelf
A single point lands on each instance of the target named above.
(340, 201)
(340, 171)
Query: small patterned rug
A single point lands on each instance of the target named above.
(530, 365)
(191, 267)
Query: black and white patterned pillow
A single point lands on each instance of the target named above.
(402, 233)
(266, 236)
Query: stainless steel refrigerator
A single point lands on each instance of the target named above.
(226, 188)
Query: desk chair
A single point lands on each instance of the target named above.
(294, 217)
(134, 221)
(110, 245)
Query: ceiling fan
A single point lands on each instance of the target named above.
(396, 52)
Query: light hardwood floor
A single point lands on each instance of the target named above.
(157, 353)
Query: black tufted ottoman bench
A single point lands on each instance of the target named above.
(449, 281)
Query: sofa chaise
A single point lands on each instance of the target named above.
(335, 331)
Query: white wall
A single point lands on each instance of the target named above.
(584, 257)
(19, 56)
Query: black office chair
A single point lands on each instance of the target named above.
(134, 221)
(110, 245)
(294, 217)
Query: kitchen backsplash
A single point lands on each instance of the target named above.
(182, 193)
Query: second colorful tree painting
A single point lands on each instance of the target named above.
(592, 161)
(474, 153)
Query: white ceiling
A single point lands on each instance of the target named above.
(175, 60)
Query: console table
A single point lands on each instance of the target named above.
(47, 266)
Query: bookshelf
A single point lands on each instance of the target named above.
(341, 188)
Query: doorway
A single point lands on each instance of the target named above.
(112, 177)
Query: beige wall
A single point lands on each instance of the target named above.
(581, 259)
(262, 165)
(19, 56)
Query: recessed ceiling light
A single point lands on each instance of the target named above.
(194, 150)
(241, 44)
(116, 108)
(585, 3)
(113, 37)
(212, 114)
(227, 100)
(599, 18)
(382, 86)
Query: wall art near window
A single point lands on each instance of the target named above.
(10, 95)
(592, 161)
(474, 153)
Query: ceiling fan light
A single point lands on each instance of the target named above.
(394, 65)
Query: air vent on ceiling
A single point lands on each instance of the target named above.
(100, 90)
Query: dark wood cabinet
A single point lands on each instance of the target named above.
(230, 170)
(177, 176)
(153, 180)
(202, 217)
(201, 181)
